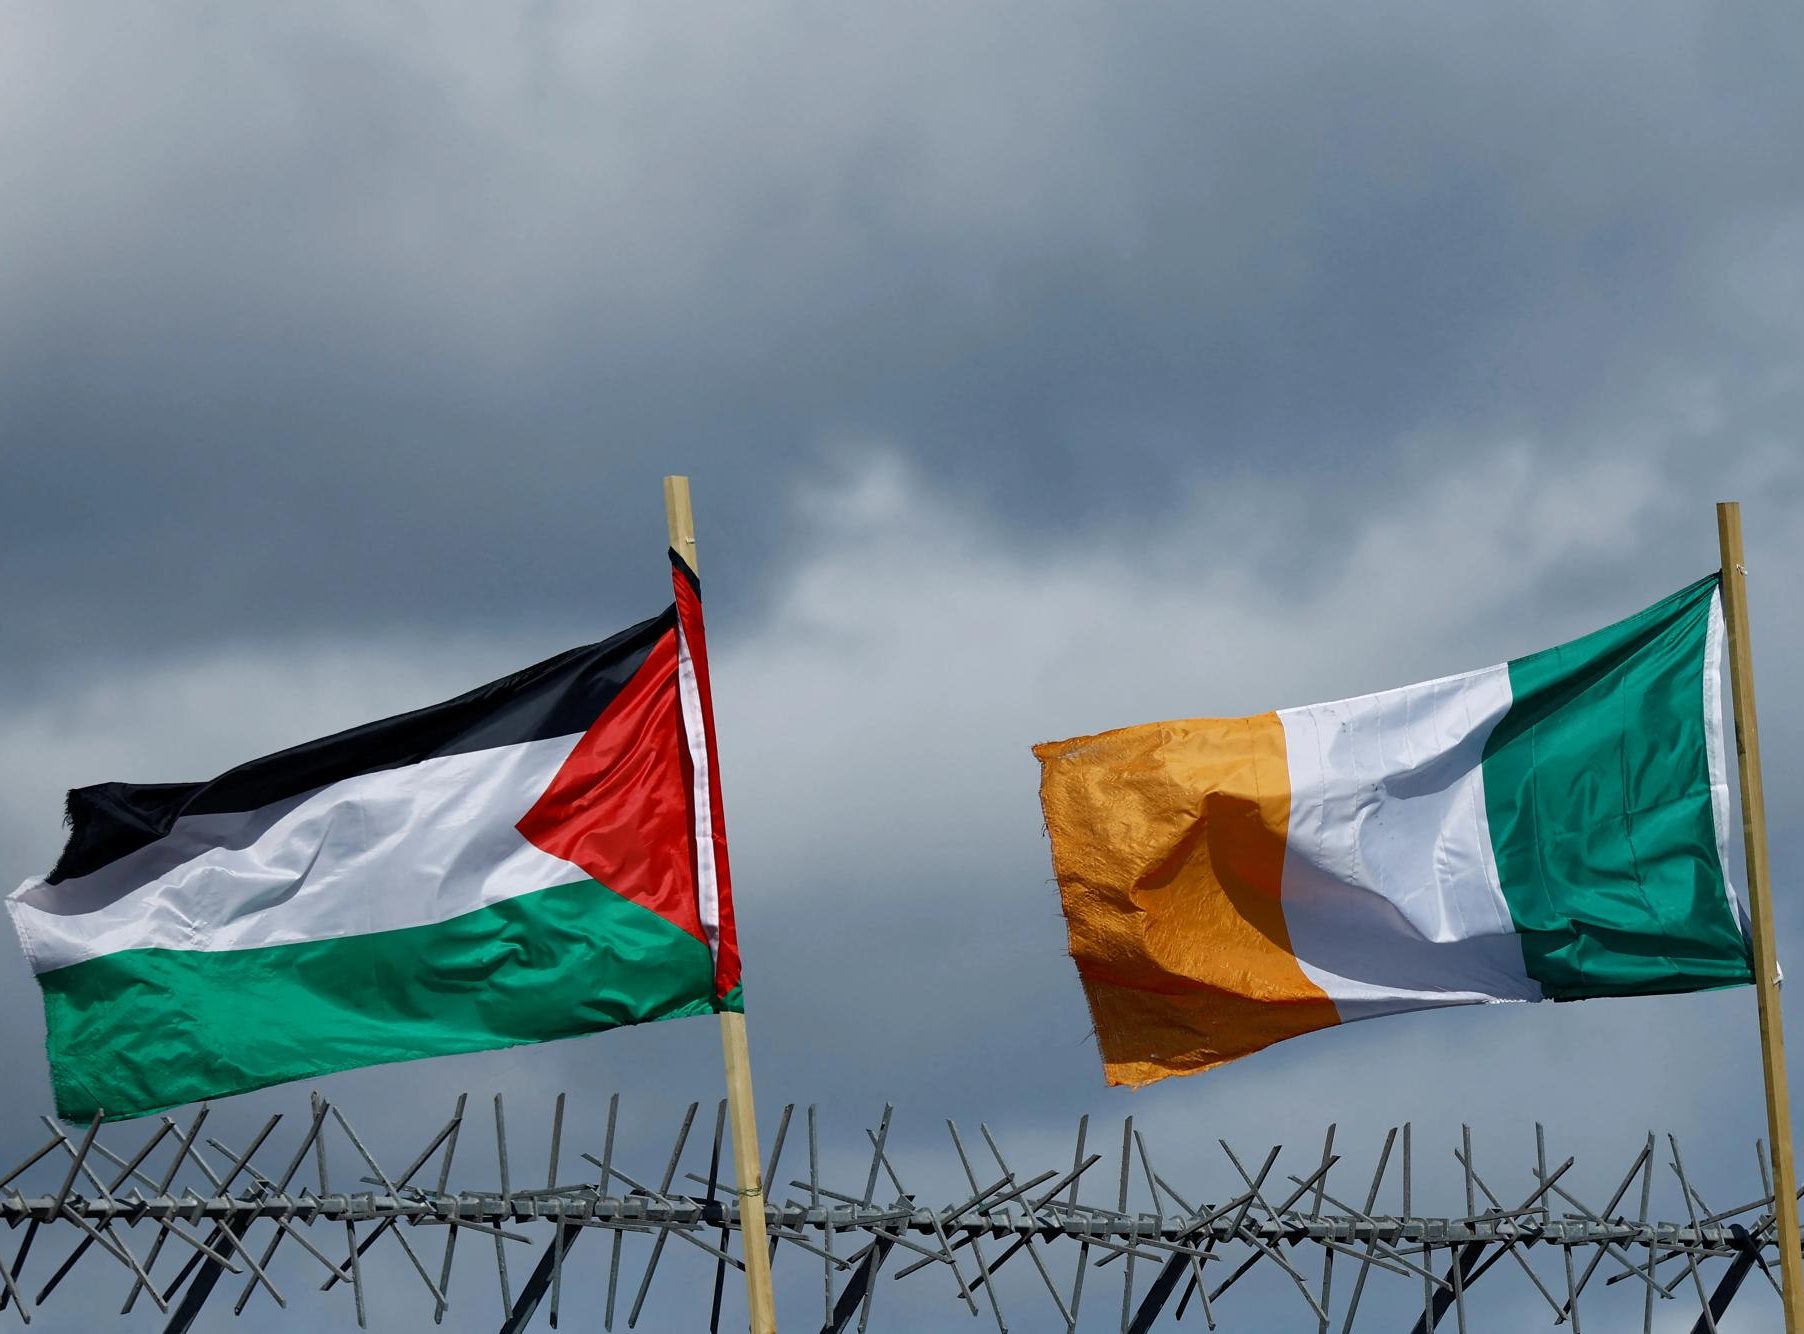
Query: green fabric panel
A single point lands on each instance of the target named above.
(143, 1030)
(734, 1000)
(1597, 789)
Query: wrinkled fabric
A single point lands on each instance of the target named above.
(1550, 828)
(539, 857)
(1600, 784)
(1168, 844)
(143, 1030)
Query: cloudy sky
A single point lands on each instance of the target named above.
(1040, 369)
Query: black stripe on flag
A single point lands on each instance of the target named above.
(561, 696)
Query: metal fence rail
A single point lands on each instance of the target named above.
(212, 1211)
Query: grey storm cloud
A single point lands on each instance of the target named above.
(1040, 369)
(337, 317)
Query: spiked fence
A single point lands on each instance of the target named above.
(210, 1211)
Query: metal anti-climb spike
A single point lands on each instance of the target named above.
(1197, 1238)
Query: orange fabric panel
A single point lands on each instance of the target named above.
(1168, 844)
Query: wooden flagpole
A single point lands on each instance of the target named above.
(679, 518)
(1766, 966)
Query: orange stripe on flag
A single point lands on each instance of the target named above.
(1168, 843)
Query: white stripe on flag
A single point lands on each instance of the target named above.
(1391, 894)
(1717, 756)
(707, 882)
(397, 848)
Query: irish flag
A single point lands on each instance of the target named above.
(1551, 828)
(541, 857)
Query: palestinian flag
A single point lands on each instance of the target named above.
(541, 857)
(1549, 828)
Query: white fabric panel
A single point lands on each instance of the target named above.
(695, 733)
(1716, 754)
(1391, 893)
(400, 848)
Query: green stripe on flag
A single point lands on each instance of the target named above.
(1598, 794)
(141, 1030)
